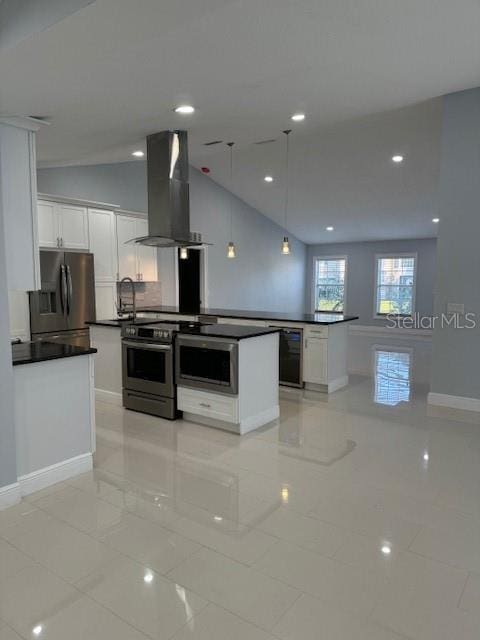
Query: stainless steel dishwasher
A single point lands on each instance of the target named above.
(291, 356)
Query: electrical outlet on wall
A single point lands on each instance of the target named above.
(454, 307)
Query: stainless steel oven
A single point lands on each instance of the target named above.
(148, 370)
(207, 363)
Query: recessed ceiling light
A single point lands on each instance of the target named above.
(138, 154)
(426, 457)
(397, 159)
(37, 630)
(386, 550)
(329, 228)
(436, 220)
(185, 109)
(298, 117)
(268, 179)
(218, 518)
(148, 577)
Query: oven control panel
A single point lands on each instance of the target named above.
(148, 332)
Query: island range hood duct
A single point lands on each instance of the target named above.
(168, 192)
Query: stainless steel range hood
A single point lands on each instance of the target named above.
(168, 192)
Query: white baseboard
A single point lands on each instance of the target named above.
(240, 428)
(329, 387)
(9, 495)
(110, 397)
(55, 473)
(453, 402)
(254, 422)
(338, 383)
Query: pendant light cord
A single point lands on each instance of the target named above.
(230, 144)
(287, 149)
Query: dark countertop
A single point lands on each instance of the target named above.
(228, 331)
(29, 352)
(121, 322)
(273, 316)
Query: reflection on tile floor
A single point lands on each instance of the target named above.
(354, 516)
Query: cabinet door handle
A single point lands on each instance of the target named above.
(306, 343)
(205, 404)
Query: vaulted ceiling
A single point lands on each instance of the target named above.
(364, 72)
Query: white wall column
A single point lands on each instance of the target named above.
(9, 492)
(456, 351)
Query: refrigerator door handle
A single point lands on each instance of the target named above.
(69, 290)
(63, 288)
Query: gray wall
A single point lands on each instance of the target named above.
(259, 278)
(456, 352)
(361, 273)
(8, 466)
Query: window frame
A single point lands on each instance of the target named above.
(395, 256)
(314, 283)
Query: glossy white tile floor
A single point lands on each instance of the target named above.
(356, 516)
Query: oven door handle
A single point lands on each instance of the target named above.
(148, 346)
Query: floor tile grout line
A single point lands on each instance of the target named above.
(9, 626)
(463, 591)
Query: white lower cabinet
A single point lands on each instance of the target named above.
(209, 405)
(105, 300)
(315, 359)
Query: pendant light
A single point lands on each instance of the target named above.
(183, 253)
(286, 242)
(231, 253)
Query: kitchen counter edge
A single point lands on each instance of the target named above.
(33, 352)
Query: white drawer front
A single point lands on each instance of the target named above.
(315, 331)
(210, 405)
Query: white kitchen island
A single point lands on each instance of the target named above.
(255, 400)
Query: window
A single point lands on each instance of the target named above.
(329, 284)
(395, 285)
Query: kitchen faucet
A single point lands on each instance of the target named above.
(121, 305)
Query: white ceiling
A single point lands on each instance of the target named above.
(110, 74)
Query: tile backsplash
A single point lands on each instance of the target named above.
(147, 294)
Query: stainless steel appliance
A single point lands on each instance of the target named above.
(66, 301)
(168, 192)
(291, 356)
(207, 363)
(148, 369)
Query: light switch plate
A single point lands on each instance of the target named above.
(454, 307)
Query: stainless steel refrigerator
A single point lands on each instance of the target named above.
(66, 301)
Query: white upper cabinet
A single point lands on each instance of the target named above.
(135, 261)
(127, 253)
(101, 225)
(62, 226)
(146, 256)
(47, 224)
(73, 226)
